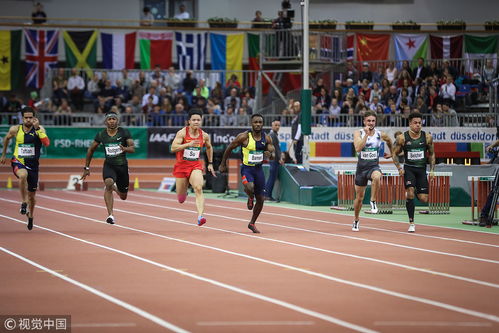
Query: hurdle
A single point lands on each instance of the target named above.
(439, 193)
(480, 188)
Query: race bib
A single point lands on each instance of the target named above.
(369, 154)
(112, 149)
(415, 155)
(255, 157)
(26, 150)
(192, 153)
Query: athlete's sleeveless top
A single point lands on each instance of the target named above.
(414, 150)
(191, 154)
(369, 155)
(253, 152)
(27, 150)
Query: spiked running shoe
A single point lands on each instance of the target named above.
(250, 203)
(201, 221)
(110, 219)
(252, 227)
(355, 226)
(374, 207)
(30, 223)
(24, 208)
(412, 228)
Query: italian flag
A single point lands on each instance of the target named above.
(476, 47)
(155, 49)
(10, 59)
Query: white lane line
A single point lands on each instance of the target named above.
(299, 229)
(261, 297)
(327, 222)
(427, 271)
(324, 276)
(331, 213)
(93, 325)
(255, 323)
(433, 323)
(101, 294)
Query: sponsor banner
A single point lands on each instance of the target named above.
(68, 142)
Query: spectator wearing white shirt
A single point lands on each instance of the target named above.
(172, 79)
(152, 93)
(76, 87)
(448, 91)
(183, 15)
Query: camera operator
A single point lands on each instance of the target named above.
(282, 24)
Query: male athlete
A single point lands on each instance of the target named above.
(117, 142)
(415, 143)
(30, 137)
(367, 142)
(188, 169)
(255, 146)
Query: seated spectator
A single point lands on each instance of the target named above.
(121, 91)
(147, 18)
(92, 88)
(392, 94)
(128, 118)
(189, 84)
(448, 91)
(451, 69)
(62, 115)
(318, 86)
(334, 112)
(217, 92)
(152, 94)
(99, 116)
(137, 89)
(135, 104)
(59, 93)
(38, 16)
(365, 90)
(179, 116)
(349, 85)
(406, 111)
(404, 95)
(148, 108)
(375, 103)
(379, 75)
(421, 105)
(118, 104)
(76, 87)
(391, 72)
(199, 102)
(404, 79)
(126, 80)
(242, 117)
(323, 102)
(365, 74)
(183, 14)
(350, 73)
(214, 105)
(107, 94)
(437, 116)
(157, 75)
(156, 117)
(338, 95)
(245, 105)
(407, 68)
(228, 119)
(172, 79)
(450, 115)
(231, 84)
(375, 92)
(232, 100)
(433, 70)
(181, 99)
(102, 80)
(211, 118)
(164, 94)
(202, 89)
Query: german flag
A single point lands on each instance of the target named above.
(10, 59)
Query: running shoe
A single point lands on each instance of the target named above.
(24, 208)
(412, 228)
(110, 219)
(374, 207)
(252, 227)
(250, 203)
(30, 223)
(355, 226)
(201, 221)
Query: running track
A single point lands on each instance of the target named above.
(156, 271)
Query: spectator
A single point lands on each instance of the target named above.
(137, 89)
(365, 74)
(391, 72)
(157, 75)
(217, 92)
(404, 95)
(179, 116)
(450, 115)
(351, 72)
(274, 163)
(350, 85)
(296, 133)
(172, 79)
(433, 70)
(229, 118)
(334, 112)
(122, 91)
(232, 100)
(489, 73)
(164, 94)
(127, 81)
(365, 90)
(437, 116)
(135, 104)
(406, 68)
(38, 16)
(156, 117)
(128, 118)
(152, 94)
(63, 114)
(232, 83)
(245, 105)
(92, 88)
(181, 99)
(448, 91)
(258, 18)
(118, 104)
(147, 18)
(211, 118)
(451, 69)
(317, 90)
(375, 92)
(242, 117)
(148, 108)
(183, 15)
(420, 71)
(107, 95)
(392, 94)
(189, 84)
(379, 75)
(203, 89)
(98, 117)
(76, 86)
(421, 105)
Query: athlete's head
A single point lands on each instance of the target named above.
(195, 118)
(370, 119)
(28, 115)
(257, 122)
(415, 122)
(111, 120)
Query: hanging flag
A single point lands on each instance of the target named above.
(481, 48)
(191, 50)
(254, 63)
(350, 47)
(446, 47)
(410, 47)
(330, 48)
(227, 54)
(10, 59)
(81, 49)
(118, 50)
(155, 49)
(42, 51)
(372, 46)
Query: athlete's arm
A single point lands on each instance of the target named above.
(270, 150)
(88, 159)
(177, 142)
(40, 131)
(130, 146)
(12, 133)
(358, 142)
(238, 141)
(492, 146)
(209, 152)
(396, 150)
(388, 141)
(431, 153)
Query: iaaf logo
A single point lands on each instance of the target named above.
(161, 137)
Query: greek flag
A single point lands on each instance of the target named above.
(191, 50)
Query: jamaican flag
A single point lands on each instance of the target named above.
(81, 49)
(10, 59)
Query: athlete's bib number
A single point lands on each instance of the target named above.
(113, 150)
(192, 153)
(26, 150)
(415, 155)
(255, 156)
(369, 154)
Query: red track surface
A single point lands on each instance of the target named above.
(306, 272)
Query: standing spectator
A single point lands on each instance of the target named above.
(420, 71)
(296, 134)
(38, 16)
(276, 162)
(146, 19)
(258, 18)
(76, 86)
(183, 15)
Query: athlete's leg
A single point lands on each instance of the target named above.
(375, 183)
(359, 197)
(31, 204)
(181, 185)
(108, 195)
(196, 180)
(22, 174)
(256, 212)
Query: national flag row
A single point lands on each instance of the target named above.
(118, 52)
(371, 47)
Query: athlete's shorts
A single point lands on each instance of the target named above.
(254, 174)
(32, 173)
(119, 173)
(416, 177)
(362, 176)
(184, 170)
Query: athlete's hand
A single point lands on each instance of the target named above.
(36, 122)
(85, 174)
(123, 148)
(3, 159)
(193, 143)
(432, 175)
(401, 171)
(211, 170)
(387, 155)
(268, 155)
(222, 168)
(368, 130)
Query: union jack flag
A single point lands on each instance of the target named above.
(41, 54)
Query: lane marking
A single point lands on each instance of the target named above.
(433, 323)
(261, 297)
(98, 293)
(92, 325)
(324, 276)
(255, 323)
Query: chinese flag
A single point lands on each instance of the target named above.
(372, 46)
